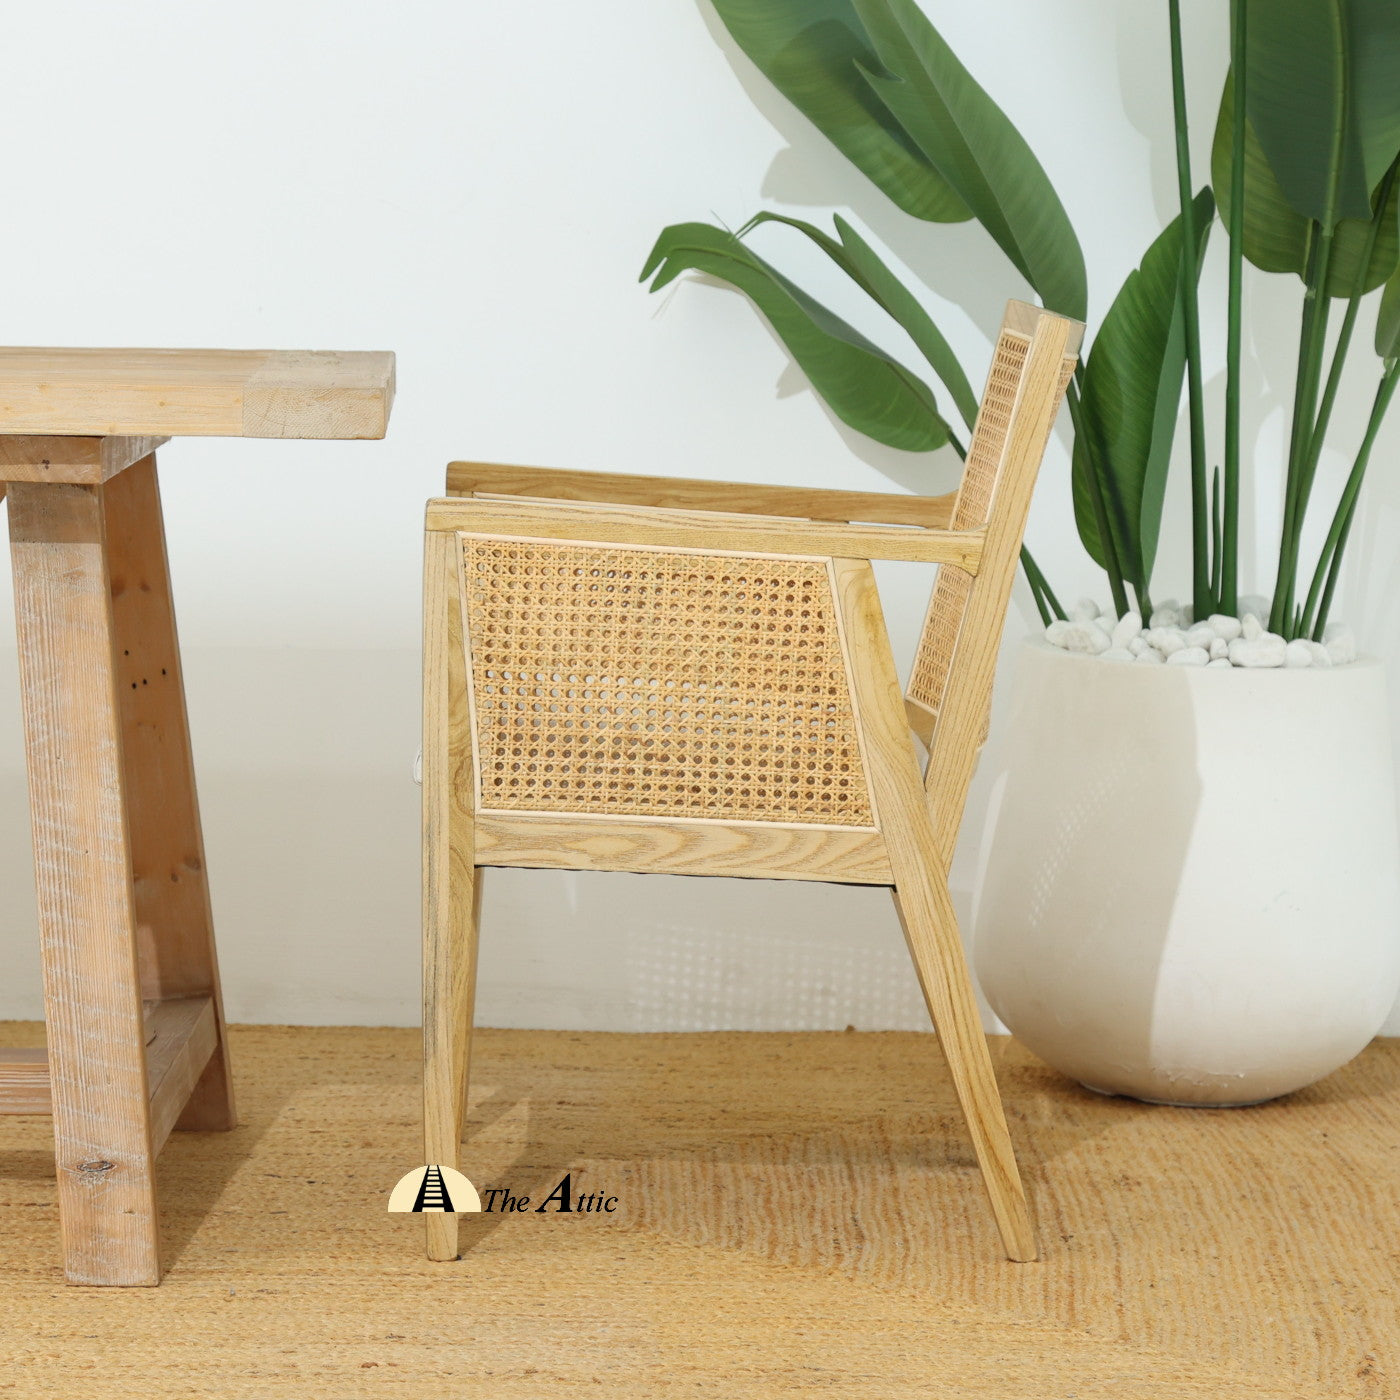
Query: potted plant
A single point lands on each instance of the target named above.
(1191, 890)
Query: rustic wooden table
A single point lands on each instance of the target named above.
(131, 983)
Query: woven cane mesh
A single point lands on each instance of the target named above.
(951, 588)
(634, 682)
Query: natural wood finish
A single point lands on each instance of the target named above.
(169, 880)
(680, 493)
(24, 1081)
(86, 461)
(87, 918)
(763, 850)
(181, 1037)
(961, 726)
(451, 885)
(921, 896)
(703, 530)
(119, 858)
(620, 701)
(196, 393)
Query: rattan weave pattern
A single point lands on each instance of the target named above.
(627, 681)
(950, 591)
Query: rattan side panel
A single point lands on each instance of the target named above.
(952, 586)
(625, 681)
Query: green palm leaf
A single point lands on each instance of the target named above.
(1322, 77)
(866, 388)
(1132, 395)
(1388, 321)
(976, 149)
(1276, 235)
(810, 51)
(859, 261)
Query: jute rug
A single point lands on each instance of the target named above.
(795, 1215)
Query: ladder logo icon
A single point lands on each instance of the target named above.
(434, 1189)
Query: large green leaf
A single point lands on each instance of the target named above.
(866, 388)
(809, 50)
(976, 149)
(1131, 398)
(859, 261)
(1323, 72)
(1276, 235)
(1388, 321)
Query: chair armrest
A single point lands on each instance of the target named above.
(703, 530)
(683, 493)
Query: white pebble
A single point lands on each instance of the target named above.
(1251, 629)
(1219, 661)
(1224, 626)
(1320, 655)
(1266, 649)
(1340, 643)
(1298, 653)
(1167, 615)
(1055, 632)
(1201, 635)
(1150, 657)
(1085, 610)
(1165, 639)
(1085, 637)
(1137, 646)
(1220, 650)
(1129, 625)
(1189, 656)
(1116, 654)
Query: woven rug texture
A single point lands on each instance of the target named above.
(796, 1214)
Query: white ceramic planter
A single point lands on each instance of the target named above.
(1191, 882)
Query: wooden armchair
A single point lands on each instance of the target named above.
(693, 677)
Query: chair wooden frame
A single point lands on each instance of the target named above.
(906, 843)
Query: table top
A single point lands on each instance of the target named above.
(195, 393)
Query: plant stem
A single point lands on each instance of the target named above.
(1112, 566)
(1200, 535)
(1311, 346)
(1045, 598)
(1277, 615)
(1328, 564)
(1227, 587)
(1334, 375)
(1217, 528)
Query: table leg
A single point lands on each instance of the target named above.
(123, 896)
(174, 926)
(82, 860)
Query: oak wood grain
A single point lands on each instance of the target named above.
(921, 896)
(181, 1036)
(24, 1081)
(683, 493)
(170, 883)
(195, 393)
(87, 918)
(451, 882)
(763, 850)
(705, 530)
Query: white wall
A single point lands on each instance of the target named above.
(476, 186)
